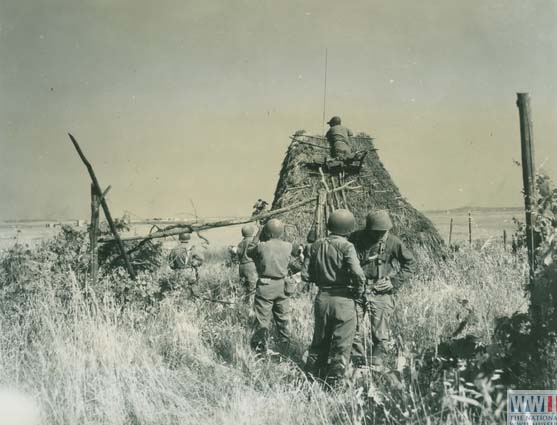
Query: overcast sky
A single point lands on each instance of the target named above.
(174, 100)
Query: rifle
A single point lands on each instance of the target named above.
(378, 259)
(379, 263)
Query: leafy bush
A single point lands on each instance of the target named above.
(531, 339)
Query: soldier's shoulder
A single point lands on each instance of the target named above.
(315, 245)
(341, 243)
(286, 244)
(347, 244)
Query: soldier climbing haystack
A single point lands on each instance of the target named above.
(338, 137)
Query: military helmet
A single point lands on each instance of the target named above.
(379, 220)
(341, 222)
(248, 230)
(334, 121)
(274, 228)
(183, 237)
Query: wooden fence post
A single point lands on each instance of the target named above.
(450, 232)
(470, 228)
(94, 233)
(320, 213)
(504, 239)
(528, 172)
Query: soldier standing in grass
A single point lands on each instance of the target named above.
(338, 137)
(272, 258)
(333, 265)
(180, 260)
(387, 264)
(186, 259)
(247, 269)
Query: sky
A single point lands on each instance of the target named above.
(181, 103)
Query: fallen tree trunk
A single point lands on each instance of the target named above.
(188, 227)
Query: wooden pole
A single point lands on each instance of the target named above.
(470, 228)
(325, 92)
(104, 205)
(319, 211)
(335, 196)
(94, 233)
(528, 172)
(505, 239)
(450, 232)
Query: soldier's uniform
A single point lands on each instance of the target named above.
(247, 269)
(338, 137)
(334, 267)
(179, 257)
(184, 259)
(397, 265)
(272, 258)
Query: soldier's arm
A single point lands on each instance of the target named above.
(358, 276)
(252, 245)
(252, 250)
(407, 264)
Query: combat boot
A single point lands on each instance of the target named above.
(259, 341)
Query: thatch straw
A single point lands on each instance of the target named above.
(298, 182)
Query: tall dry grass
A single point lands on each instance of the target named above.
(86, 359)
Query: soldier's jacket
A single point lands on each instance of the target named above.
(333, 262)
(179, 257)
(271, 257)
(394, 252)
(243, 256)
(338, 133)
(183, 256)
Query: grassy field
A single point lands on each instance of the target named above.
(79, 356)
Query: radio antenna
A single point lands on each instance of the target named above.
(324, 93)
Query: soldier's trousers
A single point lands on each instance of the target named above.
(341, 150)
(380, 310)
(248, 277)
(334, 329)
(271, 303)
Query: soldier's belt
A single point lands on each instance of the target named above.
(339, 290)
(271, 278)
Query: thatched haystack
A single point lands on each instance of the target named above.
(299, 179)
